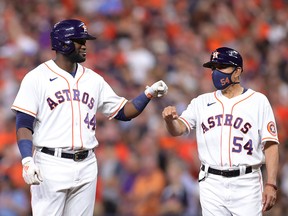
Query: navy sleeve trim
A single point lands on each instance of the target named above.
(24, 120)
(121, 115)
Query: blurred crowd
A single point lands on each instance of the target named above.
(143, 171)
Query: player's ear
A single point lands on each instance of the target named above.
(238, 71)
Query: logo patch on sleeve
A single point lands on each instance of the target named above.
(271, 128)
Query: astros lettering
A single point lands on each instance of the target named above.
(226, 120)
(65, 95)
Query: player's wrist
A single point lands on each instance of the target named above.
(272, 185)
(26, 159)
(148, 93)
(25, 147)
(141, 101)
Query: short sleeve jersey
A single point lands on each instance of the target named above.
(65, 106)
(231, 132)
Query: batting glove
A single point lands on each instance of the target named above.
(158, 89)
(31, 172)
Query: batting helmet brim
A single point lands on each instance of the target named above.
(212, 64)
(84, 36)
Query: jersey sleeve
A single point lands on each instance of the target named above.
(110, 103)
(188, 116)
(268, 131)
(27, 100)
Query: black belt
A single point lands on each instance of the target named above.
(77, 156)
(227, 173)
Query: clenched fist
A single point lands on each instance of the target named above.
(174, 125)
(158, 89)
(170, 113)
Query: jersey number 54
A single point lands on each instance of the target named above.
(238, 146)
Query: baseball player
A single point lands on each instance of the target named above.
(55, 113)
(236, 133)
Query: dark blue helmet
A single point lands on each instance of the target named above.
(65, 31)
(225, 56)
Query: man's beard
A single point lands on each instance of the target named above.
(76, 57)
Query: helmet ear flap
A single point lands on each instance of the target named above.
(63, 46)
(67, 47)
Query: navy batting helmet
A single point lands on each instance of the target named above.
(65, 31)
(224, 56)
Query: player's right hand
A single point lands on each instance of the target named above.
(170, 113)
(157, 90)
(31, 172)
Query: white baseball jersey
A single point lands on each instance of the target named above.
(231, 132)
(52, 95)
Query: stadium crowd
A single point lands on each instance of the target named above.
(143, 171)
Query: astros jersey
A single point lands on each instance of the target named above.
(231, 132)
(49, 93)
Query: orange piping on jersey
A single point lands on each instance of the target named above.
(110, 117)
(70, 103)
(270, 139)
(80, 120)
(24, 110)
(230, 163)
(221, 128)
(186, 123)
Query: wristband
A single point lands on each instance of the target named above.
(140, 102)
(272, 185)
(25, 147)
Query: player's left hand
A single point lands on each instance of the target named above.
(158, 89)
(31, 172)
(268, 198)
